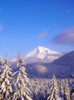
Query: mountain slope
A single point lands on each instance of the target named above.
(67, 59)
(62, 67)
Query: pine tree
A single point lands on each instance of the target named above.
(67, 90)
(1, 96)
(0, 65)
(53, 94)
(5, 80)
(22, 92)
(62, 88)
(0, 61)
(34, 96)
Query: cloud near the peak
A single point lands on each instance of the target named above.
(41, 35)
(65, 37)
(1, 27)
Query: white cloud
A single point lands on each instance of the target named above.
(65, 37)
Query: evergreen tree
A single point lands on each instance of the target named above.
(53, 94)
(0, 65)
(34, 96)
(0, 61)
(62, 88)
(67, 90)
(5, 80)
(22, 91)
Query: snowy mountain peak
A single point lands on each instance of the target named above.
(43, 49)
(43, 54)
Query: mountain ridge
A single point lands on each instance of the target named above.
(63, 67)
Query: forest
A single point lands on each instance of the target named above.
(17, 86)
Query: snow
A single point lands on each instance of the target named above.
(59, 98)
(43, 53)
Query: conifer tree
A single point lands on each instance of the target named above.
(62, 89)
(0, 65)
(53, 94)
(67, 90)
(0, 61)
(22, 91)
(5, 80)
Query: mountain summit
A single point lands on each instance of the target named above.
(42, 54)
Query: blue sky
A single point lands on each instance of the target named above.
(26, 24)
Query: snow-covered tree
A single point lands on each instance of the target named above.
(72, 94)
(5, 80)
(0, 65)
(34, 92)
(54, 90)
(62, 89)
(0, 61)
(22, 92)
(34, 96)
(67, 90)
